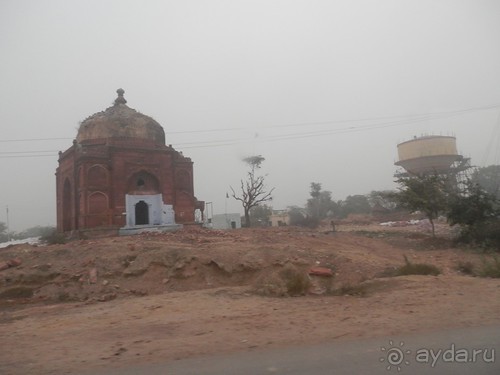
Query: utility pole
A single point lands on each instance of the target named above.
(8, 226)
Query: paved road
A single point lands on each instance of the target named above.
(409, 352)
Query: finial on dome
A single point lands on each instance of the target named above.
(120, 99)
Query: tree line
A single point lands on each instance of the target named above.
(37, 231)
(471, 203)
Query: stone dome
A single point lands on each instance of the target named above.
(120, 121)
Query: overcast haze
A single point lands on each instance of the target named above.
(324, 90)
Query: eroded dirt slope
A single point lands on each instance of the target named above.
(109, 268)
(162, 297)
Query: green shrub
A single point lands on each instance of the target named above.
(288, 281)
(417, 269)
(359, 290)
(270, 286)
(490, 268)
(485, 234)
(297, 281)
(412, 269)
(53, 238)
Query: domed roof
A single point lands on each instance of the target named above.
(120, 121)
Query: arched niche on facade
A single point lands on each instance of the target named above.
(97, 203)
(97, 209)
(143, 183)
(97, 175)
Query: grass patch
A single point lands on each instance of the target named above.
(17, 292)
(435, 243)
(297, 282)
(270, 286)
(417, 269)
(466, 268)
(53, 238)
(288, 281)
(359, 290)
(378, 234)
(410, 268)
(490, 268)
(404, 240)
(483, 235)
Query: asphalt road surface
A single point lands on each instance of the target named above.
(458, 351)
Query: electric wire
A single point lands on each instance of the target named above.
(402, 120)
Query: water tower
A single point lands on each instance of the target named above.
(430, 154)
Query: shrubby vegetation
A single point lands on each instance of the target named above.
(489, 179)
(53, 237)
(321, 206)
(427, 194)
(410, 268)
(477, 213)
(261, 214)
(469, 205)
(46, 233)
(474, 205)
(490, 268)
(300, 217)
(3, 232)
(38, 231)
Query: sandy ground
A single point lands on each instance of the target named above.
(192, 317)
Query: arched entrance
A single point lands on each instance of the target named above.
(141, 213)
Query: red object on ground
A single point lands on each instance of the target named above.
(320, 271)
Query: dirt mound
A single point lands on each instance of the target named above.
(190, 259)
(208, 293)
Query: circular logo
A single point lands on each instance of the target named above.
(394, 356)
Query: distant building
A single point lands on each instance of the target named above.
(120, 173)
(226, 221)
(279, 218)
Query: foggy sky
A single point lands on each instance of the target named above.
(324, 90)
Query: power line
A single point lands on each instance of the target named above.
(33, 139)
(26, 152)
(326, 131)
(426, 115)
(413, 116)
(403, 120)
(356, 129)
(24, 156)
(475, 109)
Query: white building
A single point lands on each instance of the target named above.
(226, 221)
(279, 218)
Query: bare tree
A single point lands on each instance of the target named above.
(253, 190)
